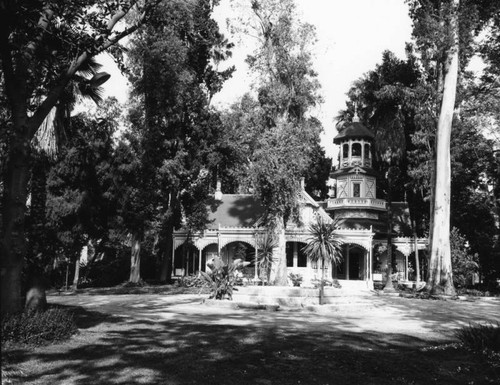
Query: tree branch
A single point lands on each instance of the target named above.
(13, 88)
(50, 101)
(43, 22)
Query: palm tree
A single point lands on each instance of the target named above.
(86, 84)
(325, 246)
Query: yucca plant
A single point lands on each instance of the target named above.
(323, 246)
(222, 278)
(265, 259)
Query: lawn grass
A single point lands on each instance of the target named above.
(115, 349)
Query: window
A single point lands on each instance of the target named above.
(367, 151)
(356, 149)
(302, 258)
(345, 151)
(356, 190)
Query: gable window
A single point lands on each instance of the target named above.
(356, 190)
(356, 149)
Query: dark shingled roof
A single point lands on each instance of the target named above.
(354, 130)
(363, 224)
(235, 210)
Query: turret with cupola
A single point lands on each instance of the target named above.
(354, 180)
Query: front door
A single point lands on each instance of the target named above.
(354, 264)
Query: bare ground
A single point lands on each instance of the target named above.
(175, 339)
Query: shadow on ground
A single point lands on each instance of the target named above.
(243, 347)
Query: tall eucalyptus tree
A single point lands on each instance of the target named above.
(287, 90)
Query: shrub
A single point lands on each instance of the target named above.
(222, 278)
(191, 281)
(295, 278)
(480, 337)
(35, 328)
(265, 259)
(334, 283)
(465, 265)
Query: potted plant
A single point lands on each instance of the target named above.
(296, 279)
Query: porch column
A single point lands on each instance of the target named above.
(218, 244)
(347, 262)
(367, 264)
(200, 252)
(256, 248)
(406, 267)
(370, 267)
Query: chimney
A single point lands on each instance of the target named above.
(303, 183)
(218, 191)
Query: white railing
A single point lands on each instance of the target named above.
(357, 202)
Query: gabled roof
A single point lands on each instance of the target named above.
(234, 210)
(242, 210)
(355, 130)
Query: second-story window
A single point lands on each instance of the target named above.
(356, 190)
(356, 149)
(367, 151)
(345, 151)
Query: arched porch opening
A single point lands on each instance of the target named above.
(240, 250)
(186, 260)
(208, 254)
(354, 263)
(399, 267)
(412, 266)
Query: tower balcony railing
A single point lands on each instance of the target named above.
(369, 203)
(353, 162)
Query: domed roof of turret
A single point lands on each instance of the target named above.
(354, 130)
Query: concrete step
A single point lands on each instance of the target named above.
(300, 296)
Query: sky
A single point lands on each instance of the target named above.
(352, 34)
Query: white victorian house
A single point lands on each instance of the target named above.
(233, 227)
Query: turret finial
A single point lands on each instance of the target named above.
(355, 118)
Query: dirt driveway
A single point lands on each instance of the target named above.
(427, 319)
(175, 339)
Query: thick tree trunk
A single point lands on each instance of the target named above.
(76, 277)
(417, 260)
(168, 257)
(279, 254)
(166, 262)
(13, 244)
(135, 259)
(389, 287)
(440, 280)
(35, 284)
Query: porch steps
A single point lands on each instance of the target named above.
(300, 296)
